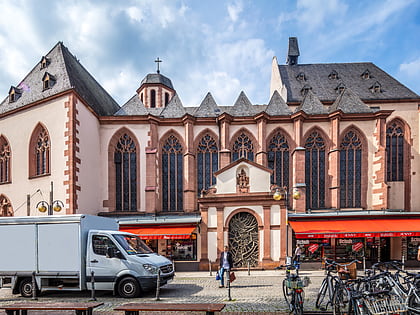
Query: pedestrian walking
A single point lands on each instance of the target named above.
(296, 256)
(226, 263)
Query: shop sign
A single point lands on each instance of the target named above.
(302, 242)
(357, 246)
(312, 248)
(345, 241)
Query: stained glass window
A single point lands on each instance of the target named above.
(243, 148)
(350, 171)
(172, 175)
(5, 156)
(125, 159)
(207, 163)
(315, 171)
(41, 150)
(278, 160)
(395, 152)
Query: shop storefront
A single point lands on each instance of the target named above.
(367, 238)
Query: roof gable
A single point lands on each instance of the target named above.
(174, 109)
(207, 108)
(311, 105)
(277, 106)
(349, 102)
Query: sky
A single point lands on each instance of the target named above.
(221, 47)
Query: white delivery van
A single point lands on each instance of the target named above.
(63, 252)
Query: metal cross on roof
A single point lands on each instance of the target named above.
(158, 61)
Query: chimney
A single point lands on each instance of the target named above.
(293, 54)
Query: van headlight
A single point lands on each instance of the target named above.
(151, 268)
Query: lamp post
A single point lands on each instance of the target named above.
(283, 193)
(53, 205)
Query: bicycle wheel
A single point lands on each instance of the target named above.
(321, 294)
(298, 305)
(341, 301)
(413, 305)
(287, 292)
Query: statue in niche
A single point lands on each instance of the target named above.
(242, 182)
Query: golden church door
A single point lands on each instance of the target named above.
(243, 240)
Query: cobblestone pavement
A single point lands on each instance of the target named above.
(259, 292)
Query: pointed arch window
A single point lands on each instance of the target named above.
(315, 171)
(395, 152)
(243, 148)
(278, 156)
(207, 163)
(125, 159)
(6, 209)
(350, 171)
(39, 152)
(172, 175)
(5, 156)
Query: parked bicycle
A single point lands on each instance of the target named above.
(293, 291)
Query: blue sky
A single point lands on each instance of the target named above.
(222, 47)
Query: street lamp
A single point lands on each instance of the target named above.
(280, 193)
(54, 205)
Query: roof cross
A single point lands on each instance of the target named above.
(158, 61)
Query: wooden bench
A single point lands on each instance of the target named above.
(23, 308)
(135, 308)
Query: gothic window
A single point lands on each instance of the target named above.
(172, 175)
(39, 152)
(5, 207)
(278, 155)
(152, 98)
(5, 156)
(207, 163)
(243, 148)
(315, 171)
(125, 159)
(350, 171)
(395, 152)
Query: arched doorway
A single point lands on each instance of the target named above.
(243, 240)
(5, 207)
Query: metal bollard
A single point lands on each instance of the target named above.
(210, 268)
(249, 269)
(34, 286)
(158, 286)
(228, 283)
(403, 262)
(364, 264)
(92, 280)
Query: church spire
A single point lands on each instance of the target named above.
(293, 54)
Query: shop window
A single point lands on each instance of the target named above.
(278, 155)
(350, 171)
(207, 163)
(412, 244)
(125, 160)
(5, 158)
(395, 152)
(184, 249)
(243, 148)
(315, 171)
(172, 175)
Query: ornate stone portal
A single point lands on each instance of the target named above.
(243, 240)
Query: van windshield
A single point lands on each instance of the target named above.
(132, 244)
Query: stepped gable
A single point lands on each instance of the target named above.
(68, 74)
(242, 107)
(349, 102)
(325, 78)
(277, 106)
(207, 108)
(174, 109)
(133, 107)
(311, 105)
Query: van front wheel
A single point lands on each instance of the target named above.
(129, 288)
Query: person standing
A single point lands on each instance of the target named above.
(298, 252)
(226, 263)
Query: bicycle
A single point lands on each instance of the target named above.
(293, 290)
(329, 284)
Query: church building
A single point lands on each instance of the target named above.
(329, 162)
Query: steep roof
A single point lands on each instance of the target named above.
(325, 80)
(349, 102)
(311, 105)
(277, 106)
(157, 78)
(68, 74)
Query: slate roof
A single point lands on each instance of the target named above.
(157, 78)
(318, 77)
(69, 74)
(311, 105)
(349, 102)
(277, 106)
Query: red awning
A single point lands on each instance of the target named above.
(160, 232)
(350, 228)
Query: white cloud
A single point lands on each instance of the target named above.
(234, 10)
(411, 69)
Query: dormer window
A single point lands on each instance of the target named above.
(333, 75)
(48, 81)
(366, 75)
(340, 88)
(44, 62)
(301, 77)
(376, 88)
(305, 90)
(14, 94)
